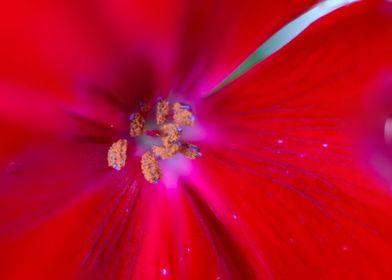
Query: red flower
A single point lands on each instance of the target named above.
(280, 191)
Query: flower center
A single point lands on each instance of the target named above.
(168, 125)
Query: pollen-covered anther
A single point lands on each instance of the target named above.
(182, 114)
(162, 110)
(165, 152)
(190, 151)
(150, 168)
(117, 154)
(137, 124)
(170, 133)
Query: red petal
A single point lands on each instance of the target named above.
(57, 203)
(205, 39)
(290, 220)
(281, 170)
(28, 118)
(175, 244)
(31, 119)
(66, 50)
(44, 43)
(55, 46)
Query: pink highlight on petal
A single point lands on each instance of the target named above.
(388, 131)
(175, 168)
(165, 272)
(374, 129)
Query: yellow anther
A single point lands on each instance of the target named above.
(170, 133)
(182, 114)
(190, 151)
(163, 110)
(117, 154)
(150, 168)
(137, 125)
(165, 152)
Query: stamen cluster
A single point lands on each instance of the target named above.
(169, 120)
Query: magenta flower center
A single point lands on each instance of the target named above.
(166, 124)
